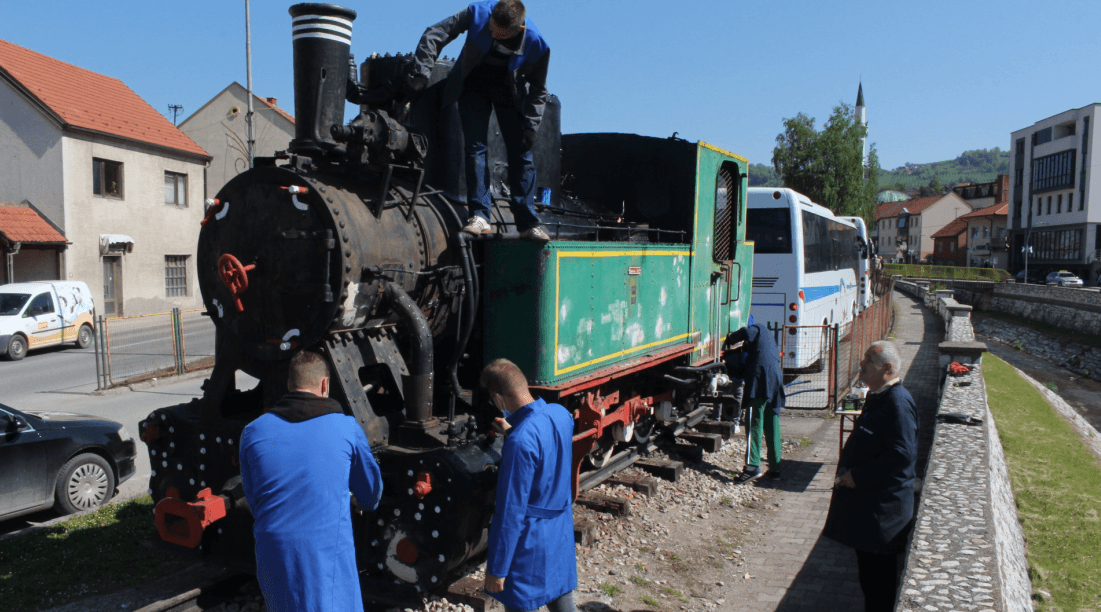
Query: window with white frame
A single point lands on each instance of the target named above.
(175, 189)
(175, 275)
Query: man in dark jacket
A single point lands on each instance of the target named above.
(763, 397)
(501, 70)
(873, 495)
(298, 491)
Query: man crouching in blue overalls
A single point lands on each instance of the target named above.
(532, 562)
(501, 70)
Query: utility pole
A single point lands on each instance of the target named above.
(248, 69)
(175, 109)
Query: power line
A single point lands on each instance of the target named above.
(175, 109)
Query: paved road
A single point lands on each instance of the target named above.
(64, 379)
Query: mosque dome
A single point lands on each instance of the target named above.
(889, 195)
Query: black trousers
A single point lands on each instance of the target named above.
(878, 580)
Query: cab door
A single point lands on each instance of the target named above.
(45, 325)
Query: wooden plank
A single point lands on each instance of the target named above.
(709, 442)
(584, 532)
(469, 590)
(687, 452)
(662, 468)
(616, 506)
(640, 483)
(726, 429)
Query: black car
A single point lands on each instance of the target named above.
(73, 462)
(1034, 277)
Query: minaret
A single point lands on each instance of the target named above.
(862, 117)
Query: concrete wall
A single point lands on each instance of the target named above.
(157, 229)
(223, 134)
(30, 156)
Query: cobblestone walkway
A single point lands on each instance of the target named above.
(793, 568)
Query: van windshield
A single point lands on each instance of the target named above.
(12, 303)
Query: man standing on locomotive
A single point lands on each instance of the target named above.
(763, 397)
(532, 561)
(501, 70)
(298, 490)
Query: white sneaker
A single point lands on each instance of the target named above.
(477, 225)
(535, 234)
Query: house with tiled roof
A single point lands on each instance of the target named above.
(904, 230)
(986, 237)
(950, 244)
(23, 230)
(219, 126)
(120, 184)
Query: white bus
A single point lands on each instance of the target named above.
(805, 262)
(864, 271)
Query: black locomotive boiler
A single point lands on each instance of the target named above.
(349, 243)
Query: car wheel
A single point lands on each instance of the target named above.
(85, 482)
(84, 337)
(17, 348)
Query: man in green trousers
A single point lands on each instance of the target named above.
(763, 398)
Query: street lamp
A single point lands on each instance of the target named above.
(1028, 246)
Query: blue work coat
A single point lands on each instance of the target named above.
(297, 476)
(531, 539)
(881, 456)
(764, 376)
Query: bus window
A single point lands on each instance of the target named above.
(769, 229)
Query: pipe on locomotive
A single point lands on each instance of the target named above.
(418, 394)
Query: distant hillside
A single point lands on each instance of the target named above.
(761, 175)
(978, 166)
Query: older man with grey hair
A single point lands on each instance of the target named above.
(873, 495)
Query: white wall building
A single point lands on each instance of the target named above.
(119, 181)
(1055, 195)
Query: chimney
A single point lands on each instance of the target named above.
(322, 37)
(271, 101)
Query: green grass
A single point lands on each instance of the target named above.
(650, 601)
(947, 272)
(639, 580)
(610, 589)
(1057, 485)
(89, 555)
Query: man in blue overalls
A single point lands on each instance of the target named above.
(531, 562)
(501, 70)
(298, 491)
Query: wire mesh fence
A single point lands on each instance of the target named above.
(132, 349)
(821, 362)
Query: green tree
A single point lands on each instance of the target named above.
(761, 175)
(827, 165)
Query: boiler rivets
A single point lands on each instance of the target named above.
(435, 534)
(417, 516)
(442, 558)
(164, 464)
(329, 200)
(397, 511)
(341, 225)
(410, 491)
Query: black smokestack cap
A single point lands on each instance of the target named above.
(322, 37)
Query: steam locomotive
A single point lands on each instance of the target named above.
(349, 243)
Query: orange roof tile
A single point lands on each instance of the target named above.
(21, 224)
(271, 102)
(913, 206)
(952, 229)
(989, 211)
(91, 101)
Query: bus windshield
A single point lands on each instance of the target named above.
(769, 229)
(12, 303)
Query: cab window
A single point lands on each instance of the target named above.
(42, 304)
(728, 186)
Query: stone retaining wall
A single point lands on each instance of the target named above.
(1079, 358)
(1073, 309)
(967, 551)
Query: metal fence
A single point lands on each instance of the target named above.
(947, 272)
(132, 349)
(821, 384)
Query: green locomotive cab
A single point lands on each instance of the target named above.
(658, 290)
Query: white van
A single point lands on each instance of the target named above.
(40, 314)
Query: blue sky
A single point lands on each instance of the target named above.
(939, 77)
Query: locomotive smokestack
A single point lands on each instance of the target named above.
(322, 35)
